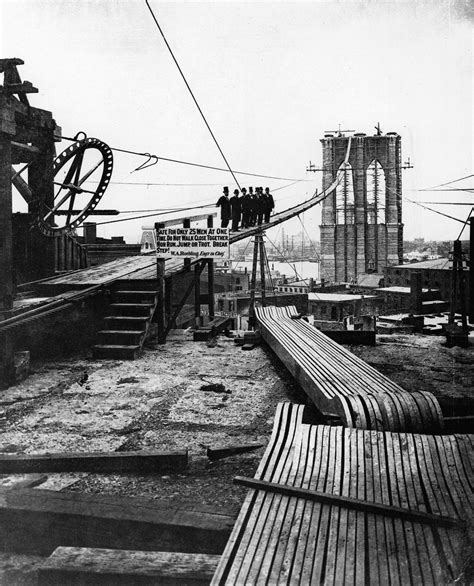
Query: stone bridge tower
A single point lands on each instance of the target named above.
(362, 230)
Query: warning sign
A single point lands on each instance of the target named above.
(192, 242)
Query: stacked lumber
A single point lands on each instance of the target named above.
(286, 538)
(340, 383)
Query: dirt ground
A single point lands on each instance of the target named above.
(158, 402)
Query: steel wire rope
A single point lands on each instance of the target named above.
(454, 181)
(189, 163)
(164, 211)
(326, 274)
(424, 207)
(191, 91)
(293, 267)
(465, 224)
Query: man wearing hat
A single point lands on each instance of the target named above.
(236, 210)
(269, 204)
(224, 203)
(246, 205)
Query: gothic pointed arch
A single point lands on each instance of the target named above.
(375, 193)
(345, 196)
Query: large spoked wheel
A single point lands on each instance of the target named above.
(81, 175)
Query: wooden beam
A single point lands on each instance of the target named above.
(176, 221)
(6, 261)
(10, 62)
(159, 316)
(351, 503)
(25, 87)
(37, 521)
(139, 462)
(210, 276)
(112, 567)
(226, 451)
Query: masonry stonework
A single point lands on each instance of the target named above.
(370, 238)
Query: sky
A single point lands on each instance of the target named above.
(270, 77)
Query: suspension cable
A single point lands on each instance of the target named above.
(190, 91)
(191, 164)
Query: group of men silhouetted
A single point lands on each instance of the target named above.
(250, 209)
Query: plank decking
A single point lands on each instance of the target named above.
(280, 539)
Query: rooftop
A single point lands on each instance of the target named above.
(336, 297)
(405, 290)
(440, 264)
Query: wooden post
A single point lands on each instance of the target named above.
(40, 181)
(471, 272)
(168, 298)
(160, 305)
(210, 278)
(197, 294)
(262, 267)
(6, 259)
(253, 281)
(187, 261)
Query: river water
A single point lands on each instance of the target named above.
(299, 269)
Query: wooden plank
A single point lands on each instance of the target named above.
(311, 534)
(38, 521)
(352, 503)
(226, 451)
(76, 566)
(139, 462)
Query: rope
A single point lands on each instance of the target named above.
(465, 224)
(454, 181)
(191, 92)
(151, 215)
(189, 163)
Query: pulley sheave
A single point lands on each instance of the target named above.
(81, 175)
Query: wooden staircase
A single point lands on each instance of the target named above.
(131, 312)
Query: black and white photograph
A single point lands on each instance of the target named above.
(236, 296)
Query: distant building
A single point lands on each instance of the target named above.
(102, 250)
(303, 286)
(337, 306)
(435, 274)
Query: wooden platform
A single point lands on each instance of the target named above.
(281, 539)
(340, 383)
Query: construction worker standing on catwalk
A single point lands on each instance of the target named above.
(269, 204)
(224, 203)
(236, 210)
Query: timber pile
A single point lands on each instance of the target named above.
(341, 384)
(294, 538)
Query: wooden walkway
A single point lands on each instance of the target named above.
(280, 539)
(340, 383)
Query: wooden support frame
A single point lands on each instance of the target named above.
(160, 301)
(262, 267)
(210, 277)
(253, 280)
(200, 267)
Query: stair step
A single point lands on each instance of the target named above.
(120, 336)
(131, 309)
(123, 322)
(125, 296)
(115, 351)
(136, 285)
